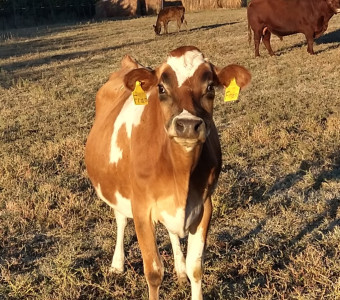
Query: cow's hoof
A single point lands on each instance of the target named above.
(116, 270)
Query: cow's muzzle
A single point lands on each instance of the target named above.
(188, 131)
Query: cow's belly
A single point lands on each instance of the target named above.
(121, 204)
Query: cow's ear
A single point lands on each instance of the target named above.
(147, 78)
(225, 75)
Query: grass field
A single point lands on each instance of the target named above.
(275, 230)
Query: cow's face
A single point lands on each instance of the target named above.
(184, 86)
(157, 28)
(334, 5)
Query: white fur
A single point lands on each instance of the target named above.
(178, 257)
(175, 224)
(117, 265)
(186, 115)
(130, 116)
(185, 65)
(194, 261)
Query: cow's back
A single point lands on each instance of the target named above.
(286, 17)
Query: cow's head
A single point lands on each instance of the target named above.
(157, 28)
(184, 86)
(334, 5)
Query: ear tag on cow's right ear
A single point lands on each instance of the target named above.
(139, 95)
(232, 91)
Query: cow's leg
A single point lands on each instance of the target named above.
(266, 41)
(117, 265)
(178, 258)
(179, 23)
(310, 41)
(166, 27)
(196, 243)
(257, 40)
(186, 24)
(153, 266)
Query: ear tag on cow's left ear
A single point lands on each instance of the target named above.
(232, 91)
(139, 95)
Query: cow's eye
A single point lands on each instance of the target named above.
(161, 89)
(210, 88)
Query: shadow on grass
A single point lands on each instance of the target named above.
(281, 250)
(329, 38)
(208, 27)
(67, 56)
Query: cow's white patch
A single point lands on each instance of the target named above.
(194, 262)
(175, 224)
(178, 257)
(185, 65)
(186, 115)
(123, 205)
(129, 116)
(117, 265)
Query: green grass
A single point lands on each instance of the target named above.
(275, 230)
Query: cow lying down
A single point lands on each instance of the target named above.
(286, 17)
(159, 160)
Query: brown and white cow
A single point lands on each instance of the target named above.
(286, 17)
(167, 14)
(160, 162)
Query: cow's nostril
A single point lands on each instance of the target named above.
(188, 128)
(198, 125)
(180, 127)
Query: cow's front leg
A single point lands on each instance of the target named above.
(153, 266)
(310, 42)
(196, 243)
(166, 27)
(179, 260)
(257, 40)
(117, 265)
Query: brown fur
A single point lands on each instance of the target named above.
(172, 13)
(156, 173)
(286, 17)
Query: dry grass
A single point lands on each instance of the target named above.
(275, 230)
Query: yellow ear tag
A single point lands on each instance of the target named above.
(139, 95)
(232, 91)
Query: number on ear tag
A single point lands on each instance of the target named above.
(232, 91)
(139, 95)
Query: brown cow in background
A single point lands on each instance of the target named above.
(167, 14)
(286, 17)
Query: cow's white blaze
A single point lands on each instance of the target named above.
(187, 115)
(185, 66)
(129, 116)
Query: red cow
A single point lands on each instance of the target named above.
(286, 17)
(167, 14)
(160, 162)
